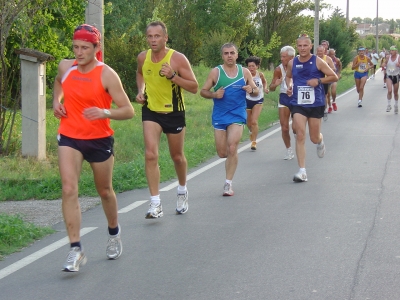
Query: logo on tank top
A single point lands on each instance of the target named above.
(81, 79)
(148, 72)
(299, 66)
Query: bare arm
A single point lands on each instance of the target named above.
(250, 86)
(276, 80)
(139, 78)
(58, 94)
(210, 82)
(264, 82)
(330, 75)
(184, 77)
(288, 78)
(355, 63)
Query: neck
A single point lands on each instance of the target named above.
(159, 55)
(88, 67)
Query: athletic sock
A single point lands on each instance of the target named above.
(76, 244)
(155, 199)
(389, 101)
(228, 181)
(302, 170)
(182, 189)
(113, 231)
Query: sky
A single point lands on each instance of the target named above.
(387, 9)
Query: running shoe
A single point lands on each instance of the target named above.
(114, 245)
(396, 109)
(388, 108)
(227, 189)
(334, 106)
(155, 211)
(253, 146)
(325, 115)
(359, 103)
(75, 258)
(289, 154)
(384, 85)
(329, 109)
(182, 204)
(300, 177)
(321, 149)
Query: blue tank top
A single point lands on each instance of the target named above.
(231, 108)
(304, 95)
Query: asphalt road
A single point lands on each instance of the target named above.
(333, 237)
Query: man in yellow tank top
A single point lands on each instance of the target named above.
(361, 65)
(161, 76)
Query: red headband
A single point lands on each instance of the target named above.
(89, 34)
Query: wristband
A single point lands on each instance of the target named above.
(173, 75)
(319, 80)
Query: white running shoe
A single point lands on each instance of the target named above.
(396, 109)
(359, 103)
(384, 85)
(321, 149)
(75, 258)
(289, 154)
(228, 189)
(300, 177)
(114, 245)
(155, 211)
(182, 204)
(388, 108)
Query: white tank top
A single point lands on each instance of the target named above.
(283, 88)
(258, 82)
(391, 68)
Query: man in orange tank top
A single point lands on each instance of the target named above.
(162, 75)
(83, 91)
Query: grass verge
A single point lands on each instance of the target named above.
(16, 234)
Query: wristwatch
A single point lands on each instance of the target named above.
(319, 80)
(107, 113)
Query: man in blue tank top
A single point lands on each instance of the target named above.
(230, 83)
(308, 73)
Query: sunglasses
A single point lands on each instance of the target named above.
(86, 27)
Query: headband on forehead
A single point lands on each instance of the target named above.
(89, 34)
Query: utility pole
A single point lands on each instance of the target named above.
(95, 16)
(316, 26)
(347, 14)
(377, 32)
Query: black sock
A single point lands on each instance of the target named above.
(76, 244)
(113, 231)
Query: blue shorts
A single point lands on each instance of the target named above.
(359, 75)
(224, 127)
(284, 99)
(251, 103)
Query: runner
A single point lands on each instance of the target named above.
(374, 60)
(361, 65)
(83, 91)
(321, 54)
(254, 104)
(392, 65)
(287, 53)
(230, 82)
(338, 69)
(308, 72)
(162, 75)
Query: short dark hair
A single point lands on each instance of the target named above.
(228, 45)
(254, 59)
(158, 23)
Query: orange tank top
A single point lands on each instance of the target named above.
(83, 91)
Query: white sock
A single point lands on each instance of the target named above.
(155, 199)
(389, 101)
(302, 170)
(396, 103)
(322, 140)
(182, 189)
(228, 181)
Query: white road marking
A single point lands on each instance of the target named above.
(38, 254)
(131, 206)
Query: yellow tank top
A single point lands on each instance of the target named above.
(363, 64)
(162, 94)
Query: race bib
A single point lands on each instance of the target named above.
(305, 95)
(362, 67)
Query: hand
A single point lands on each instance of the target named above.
(140, 98)
(166, 70)
(94, 113)
(59, 110)
(219, 93)
(289, 91)
(266, 90)
(248, 89)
